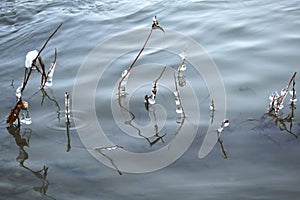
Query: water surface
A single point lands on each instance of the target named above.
(255, 45)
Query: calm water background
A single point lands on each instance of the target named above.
(255, 45)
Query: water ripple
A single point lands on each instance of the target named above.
(57, 121)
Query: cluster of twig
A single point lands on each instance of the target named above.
(277, 101)
(285, 123)
(273, 116)
(46, 80)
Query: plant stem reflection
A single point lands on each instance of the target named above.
(22, 141)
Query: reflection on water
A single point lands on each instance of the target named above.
(22, 141)
(51, 99)
(156, 135)
(283, 123)
(101, 151)
(275, 116)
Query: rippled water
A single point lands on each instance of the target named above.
(255, 45)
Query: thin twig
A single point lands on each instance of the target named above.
(155, 25)
(50, 69)
(43, 69)
(163, 71)
(67, 112)
(34, 60)
(284, 94)
(132, 64)
(220, 141)
(154, 89)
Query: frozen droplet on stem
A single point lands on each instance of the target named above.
(30, 56)
(182, 67)
(124, 73)
(124, 76)
(154, 19)
(175, 93)
(225, 123)
(212, 105)
(182, 55)
(26, 119)
(18, 92)
(181, 81)
(282, 92)
(151, 100)
(178, 110)
(280, 106)
(293, 100)
(292, 93)
(177, 102)
(50, 76)
(274, 96)
(220, 130)
(293, 96)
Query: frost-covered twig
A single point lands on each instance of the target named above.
(284, 92)
(33, 63)
(30, 64)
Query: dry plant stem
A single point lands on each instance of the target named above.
(178, 95)
(34, 61)
(67, 100)
(271, 108)
(284, 95)
(163, 71)
(43, 69)
(132, 64)
(51, 68)
(154, 89)
(14, 114)
(53, 63)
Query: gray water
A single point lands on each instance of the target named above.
(255, 45)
